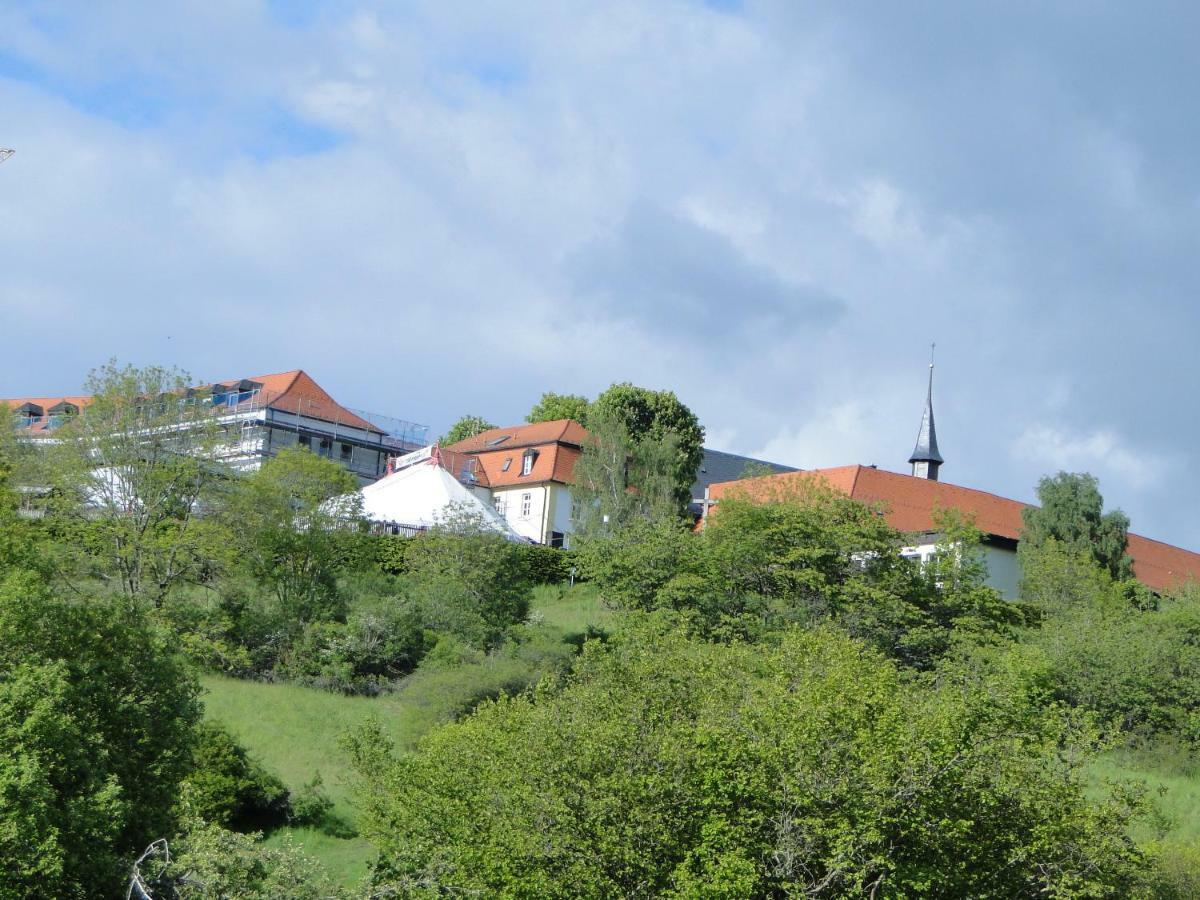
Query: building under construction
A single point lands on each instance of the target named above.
(260, 416)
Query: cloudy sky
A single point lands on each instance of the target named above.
(771, 208)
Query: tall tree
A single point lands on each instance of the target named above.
(620, 480)
(289, 533)
(649, 415)
(553, 407)
(1072, 513)
(467, 426)
(132, 470)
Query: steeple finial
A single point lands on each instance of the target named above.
(925, 459)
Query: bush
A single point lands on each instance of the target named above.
(229, 788)
(664, 766)
(468, 581)
(542, 564)
(381, 641)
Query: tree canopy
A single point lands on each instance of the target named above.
(553, 407)
(467, 426)
(1072, 513)
(663, 766)
(649, 415)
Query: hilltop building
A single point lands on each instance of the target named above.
(911, 503)
(527, 472)
(261, 415)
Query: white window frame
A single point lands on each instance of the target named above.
(526, 504)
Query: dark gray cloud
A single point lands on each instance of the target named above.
(770, 207)
(671, 275)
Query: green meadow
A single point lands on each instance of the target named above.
(294, 730)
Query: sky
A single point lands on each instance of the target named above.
(770, 208)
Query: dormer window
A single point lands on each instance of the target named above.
(527, 461)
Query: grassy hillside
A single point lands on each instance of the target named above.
(294, 730)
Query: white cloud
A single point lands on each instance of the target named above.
(1102, 452)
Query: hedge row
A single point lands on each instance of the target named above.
(541, 564)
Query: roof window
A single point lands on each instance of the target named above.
(495, 442)
(507, 463)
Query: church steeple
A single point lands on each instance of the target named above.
(925, 458)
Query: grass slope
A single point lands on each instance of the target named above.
(294, 730)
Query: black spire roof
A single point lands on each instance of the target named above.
(927, 448)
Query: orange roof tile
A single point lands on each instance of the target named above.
(558, 446)
(283, 391)
(296, 391)
(563, 431)
(910, 503)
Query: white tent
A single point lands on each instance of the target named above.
(422, 495)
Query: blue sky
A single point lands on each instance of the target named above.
(770, 207)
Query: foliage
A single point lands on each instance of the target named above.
(287, 526)
(377, 644)
(620, 480)
(468, 580)
(1071, 513)
(543, 564)
(466, 427)
(229, 788)
(654, 417)
(805, 555)
(1138, 669)
(96, 722)
(130, 474)
(553, 407)
(669, 767)
(211, 863)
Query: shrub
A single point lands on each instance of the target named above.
(664, 766)
(228, 788)
(381, 641)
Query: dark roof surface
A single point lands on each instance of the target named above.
(718, 466)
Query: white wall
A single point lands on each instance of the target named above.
(1003, 572)
(510, 506)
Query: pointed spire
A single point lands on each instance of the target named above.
(925, 457)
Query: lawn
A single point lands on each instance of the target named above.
(294, 730)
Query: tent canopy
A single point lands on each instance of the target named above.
(424, 495)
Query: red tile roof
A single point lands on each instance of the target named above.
(910, 504)
(283, 391)
(564, 431)
(558, 445)
(296, 391)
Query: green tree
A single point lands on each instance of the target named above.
(466, 427)
(667, 767)
(619, 480)
(131, 473)
(468, 579)
(553, 407)
(1072, 513)
(96, 726)
(656, 416)
(290, 520)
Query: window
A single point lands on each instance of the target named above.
(576, 511)
(501, 506)
(507, 463)
(526, 504)
(527, 461)
(347, 451)
(326, 447)
(305, 441)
